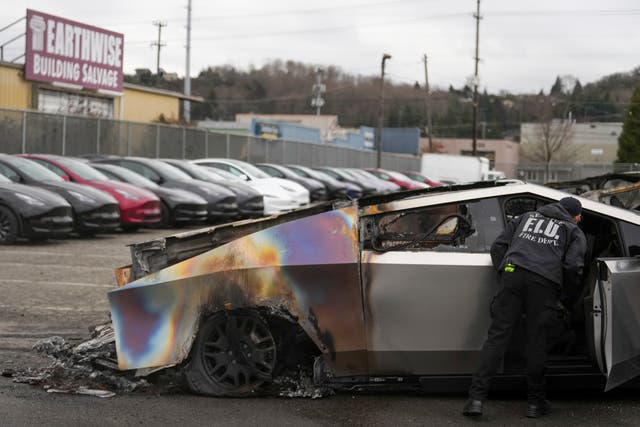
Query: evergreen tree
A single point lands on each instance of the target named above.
(629, 141)
(556, 89)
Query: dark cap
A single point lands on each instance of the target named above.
(572, 205)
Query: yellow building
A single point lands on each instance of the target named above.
(135, 103)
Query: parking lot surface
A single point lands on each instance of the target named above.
(60, 288)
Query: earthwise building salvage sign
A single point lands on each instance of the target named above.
(67, 52)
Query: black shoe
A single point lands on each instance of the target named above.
(473, 408)
(538, 409)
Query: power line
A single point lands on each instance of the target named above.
(286, 12)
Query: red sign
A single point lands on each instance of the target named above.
(68, 52)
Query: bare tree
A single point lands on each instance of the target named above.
(550, 139)
(553, 138)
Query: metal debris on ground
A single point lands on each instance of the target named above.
(89, 368)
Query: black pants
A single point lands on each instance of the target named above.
(522, 292)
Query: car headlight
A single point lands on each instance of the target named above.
(127, 195)
(81, 197)
(30, 200)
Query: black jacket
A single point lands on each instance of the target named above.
(547, 242)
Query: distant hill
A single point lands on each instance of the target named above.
(285, 87)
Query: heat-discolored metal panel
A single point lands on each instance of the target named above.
(308, 267)
(427, 313)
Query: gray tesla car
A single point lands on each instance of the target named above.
(387, 291)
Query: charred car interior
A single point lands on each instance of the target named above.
(387, 291)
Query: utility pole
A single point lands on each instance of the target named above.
(475, 84)
(427, 102)
(159, 43)
(318, 89)
(187, 74)
(385, 56)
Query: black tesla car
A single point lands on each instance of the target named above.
(317, 190)
(31, 212)
(337, 173)
(336, 189)
(250, 202)
(178, 206)
(221, 202)
(94, 211)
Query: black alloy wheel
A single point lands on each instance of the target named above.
(8, 226)
(234, 354)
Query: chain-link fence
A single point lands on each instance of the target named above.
(36, 132)
(538, 173)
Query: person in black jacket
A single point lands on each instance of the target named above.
(539, 258)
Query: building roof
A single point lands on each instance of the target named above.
(157, 91)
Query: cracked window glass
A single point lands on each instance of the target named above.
(457, 227)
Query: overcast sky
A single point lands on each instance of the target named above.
(524, 44)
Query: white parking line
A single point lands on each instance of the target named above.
(32, 265)
(54, 282)
(77, 255)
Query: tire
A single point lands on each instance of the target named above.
(233, 355)
(9, 226)
(165, 216)
(129, 228)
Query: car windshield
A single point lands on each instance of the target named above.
(32, 169)
(331, 173)
(130, 176)
(170, 172)
(4, 179)
(197, 172)
(252, 170)
(222, 174)
(398, 175)
(83, 170)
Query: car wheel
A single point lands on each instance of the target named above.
(165, 216)
(8, 226)
(233, 355)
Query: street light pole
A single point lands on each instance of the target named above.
(381, 112)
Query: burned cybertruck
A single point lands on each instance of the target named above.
(388, 291)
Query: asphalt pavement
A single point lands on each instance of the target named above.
(60, 288)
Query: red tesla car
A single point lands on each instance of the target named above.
(417, 176)
(397, 178)
(138, 207)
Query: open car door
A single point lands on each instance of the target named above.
(616, 317)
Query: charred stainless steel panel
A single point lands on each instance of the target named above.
(620, 292)
(307, 267)
(427, 313)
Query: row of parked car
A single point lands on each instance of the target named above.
(48, 195)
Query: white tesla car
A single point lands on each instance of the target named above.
(280, 195)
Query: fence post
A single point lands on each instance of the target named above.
(128, 138)
(228, 146)
(184, 141)
(64, 135)
(297, 153)
(206, 143)
(284, 150)
(157, 140)
(249, 139)
(266, 151)
(98, 137)
(24, 132)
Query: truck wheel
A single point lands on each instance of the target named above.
(233, 355)
(8, 226)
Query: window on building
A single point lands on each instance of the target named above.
(58, 102)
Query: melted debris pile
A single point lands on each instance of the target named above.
(299, 383)
(90, 368)
(87, 368)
